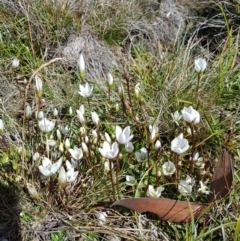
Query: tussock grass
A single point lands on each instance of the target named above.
(127, 39)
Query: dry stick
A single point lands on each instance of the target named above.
(25, 99)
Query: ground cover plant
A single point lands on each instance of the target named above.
(106, 100)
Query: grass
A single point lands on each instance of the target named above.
(36, 32)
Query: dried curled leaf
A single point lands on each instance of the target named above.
(166, 209)
(222, 178)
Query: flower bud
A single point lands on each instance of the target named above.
(62, 178)
(110, 80)
(81, 66)
(55, 112)
(38, 83)
(1, 126)
(67, 144)
(28, 112)
(84, 148)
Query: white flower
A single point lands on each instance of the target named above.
(107, 166)
(190, 115)
(129, 147)
(36, 156)
(142, 155)
(80, 117)
(198, 160)
(184, 188)
(176, 117)
(76, 153)
(109, 151)
(1, 126)
(154, 193)
(81, 65)
(51, 142)
(85, 91)
(95, 118)
(130, 180)
(71, 174)
(46, 125)
(15, 63)
(38, 83)
(203, 189)
(101, 216)
(168, 168)
(153, 129)
(200, 64)
(179, 144)
(190, 181)
(64, 129)
(157, 145)
(47, 168)
(110, 79)
(123, 136)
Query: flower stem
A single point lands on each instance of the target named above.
(197, 89)
(193, 149)
(111, 176)
(127, 78)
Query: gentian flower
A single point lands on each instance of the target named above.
(76, 153)
(168, 168)
(15, 63)
(130, 180)
(109, 151)
(129, 147)
(142, 155)
(203, 189)
(86, 91)
(200, 64)
(154, 193)
(190, 115)
(176, 117)
(179, 144)
(123, 136)
(46, 125)
(47, 168)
